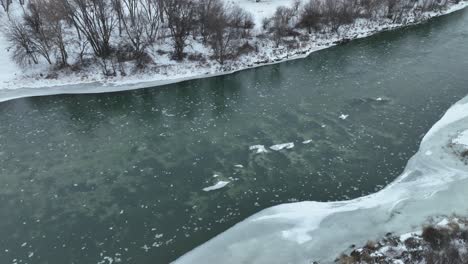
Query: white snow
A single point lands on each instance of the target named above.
(263, 9)
(443, 222)
(279, 147)
(259, 148)
(218, 185)
(409, 235)
(8, 69)
(462, 139)
(314, 231)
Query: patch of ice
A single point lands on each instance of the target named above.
(454, 114)
(307, 141)
(217, 186)
(259, 148)
(344, 116)
(106, 260)
(278, 147)
(239, 166)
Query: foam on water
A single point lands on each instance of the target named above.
(313, 231)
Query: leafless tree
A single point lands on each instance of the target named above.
(179, 14)
(140, 20)
(310, 16)
(21, 44)
(281, 24)
(6, 5)
(95, 20)
(37, 23)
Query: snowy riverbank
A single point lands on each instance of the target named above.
(17, 83)
(433, 183)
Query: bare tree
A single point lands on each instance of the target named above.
(95, 20)
(310, 16)
(180, 21)
(38, 25)
(281, 24)
(56, 15)
(141, 23)
(21, 44)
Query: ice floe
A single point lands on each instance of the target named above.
(344, 117)
(278, 147)
(218, 185)
(259, 148)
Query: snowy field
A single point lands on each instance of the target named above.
(434, 183)
(16, 82)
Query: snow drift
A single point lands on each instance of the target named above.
(434, 182)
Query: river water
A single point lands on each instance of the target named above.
(87, 178)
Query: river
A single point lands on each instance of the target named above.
(121, 175)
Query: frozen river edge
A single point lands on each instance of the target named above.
(27, 87)
(433, 183)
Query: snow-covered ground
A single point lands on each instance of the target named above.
(263, 9)
(8, 69)
(22, 82)
(434, 183)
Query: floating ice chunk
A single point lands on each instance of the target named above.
(164, 112)
(428, 153)
(215, 175)
(259, 148)
(239, 166)
(278, 147)
(379, 99)
(307, 141)
(106, 260)
(342, 116)
(146, 248)
(217, 186)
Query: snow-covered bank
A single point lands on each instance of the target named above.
(18, 84)
(439, 242)
(434, 183)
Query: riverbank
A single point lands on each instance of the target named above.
(442, 240)
(16, 83)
